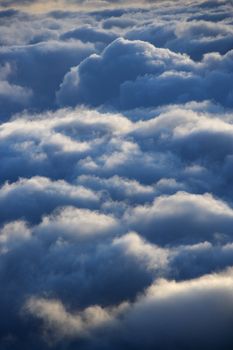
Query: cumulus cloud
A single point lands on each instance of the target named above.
(25, 198)
(189, 215)
(179, 309)
(193, 36)
(12, 96)
(146, 76)
(71, 225)
(116, 175)
(38, 71)
(133, 59)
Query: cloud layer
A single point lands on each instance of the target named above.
(116, 214)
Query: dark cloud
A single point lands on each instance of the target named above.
(36, 72)
(191, 307)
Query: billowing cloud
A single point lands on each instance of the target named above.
(146, 76)
(133, 59)
(31, 193)
(116, 190)
(189, 215)
(179, 309)
(38, 83)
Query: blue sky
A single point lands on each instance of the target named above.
(116, 210)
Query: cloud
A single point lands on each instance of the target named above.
(31, 198)
(181, 217)
(143, 76)
(37, 71)
(132, 59)
(87, 184)
(193, 37)
(89, 35)
(116, 175)
(12, 96)
(83, 223)
(191, 307)
(65, 323)
(7, 3)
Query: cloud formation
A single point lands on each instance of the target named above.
(116, 188)
(146, 76)
(179, 309)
